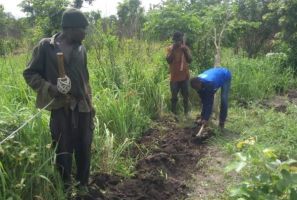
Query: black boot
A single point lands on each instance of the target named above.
(186, 107)
(173, 107)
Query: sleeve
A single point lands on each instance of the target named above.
(89, 89)
(33, 74)
(86, 64)
(188, 55)
(169, 49)
(170, 55)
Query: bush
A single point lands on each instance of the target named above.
(259, 78)
(269, 178)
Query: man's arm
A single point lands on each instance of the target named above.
(170, 54)
(88, 85)
(33, 73)
(187, 53)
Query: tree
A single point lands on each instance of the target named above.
(248, 30)
(79, 3)
(173, 15)
(93, 16)
(44, 14)
(169, 17)
(217, 17)
(131, 18)
(11, 32)
(285, 12)
(2, 21)
(109, 24)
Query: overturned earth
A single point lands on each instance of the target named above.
(161, 174)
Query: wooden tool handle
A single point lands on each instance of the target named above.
(182, 63)
(61, 68)
(200, 131)
(183, 56)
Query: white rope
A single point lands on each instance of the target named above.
(64, 85)
(10, 136)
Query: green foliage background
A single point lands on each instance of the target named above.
(129, 77)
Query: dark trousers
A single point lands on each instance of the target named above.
(224, 101)
(207, 99)
(72, 133)
(175, 87)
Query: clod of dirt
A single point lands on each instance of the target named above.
(280, 103)
(162, 174)
(292, 96)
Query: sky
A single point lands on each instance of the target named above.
(107, 7)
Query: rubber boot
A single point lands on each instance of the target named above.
(186, 107)
(173, 107)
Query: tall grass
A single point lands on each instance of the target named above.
(259, 78)
(128, 82)
(26, 169)
(265, 152)
(130, 86)
(269, 128)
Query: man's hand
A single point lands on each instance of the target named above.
(64, 85)
(184, 48)
(201, 122)
(175, 46)
(198, 120)
(187, 53)
(204, 122)
(53, 91)
(93, 112)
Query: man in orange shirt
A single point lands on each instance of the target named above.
(178, 58)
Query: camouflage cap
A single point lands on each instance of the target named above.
(74, 18)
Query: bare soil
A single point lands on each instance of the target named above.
(280, 103)
(210, 182)
(163, 173)
(178, 165)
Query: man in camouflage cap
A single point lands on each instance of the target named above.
(71, 121)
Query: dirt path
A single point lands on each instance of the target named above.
(177, 166)
(210, 182)
(174, 158)
(280, 103)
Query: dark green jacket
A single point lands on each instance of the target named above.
(42, 71)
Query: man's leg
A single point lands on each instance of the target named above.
(224, 103)
(185, 94)
(83, 147)
(174, 87)
(60, 125)
(207, 99)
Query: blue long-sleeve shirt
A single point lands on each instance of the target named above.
(212, 80)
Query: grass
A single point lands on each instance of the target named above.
(259, 78)
(269, 128)
(260, 138)
(130, 88)
(126, 97)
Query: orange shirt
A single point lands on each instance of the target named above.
(176, 72)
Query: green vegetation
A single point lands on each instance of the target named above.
(129, 77)
(125, 96)
(259, 78)
(265, 153)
